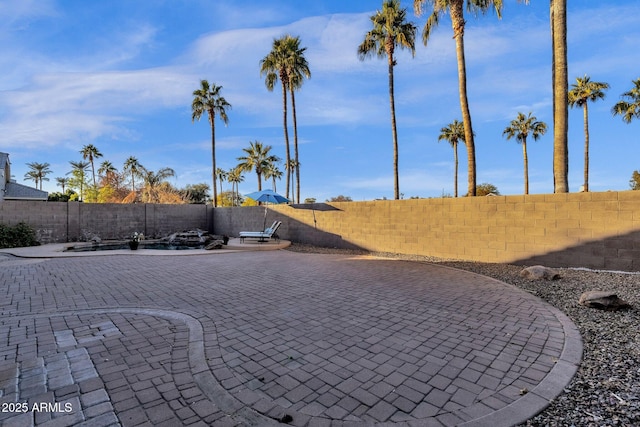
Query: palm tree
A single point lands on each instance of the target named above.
(456, 11)
(133, 167)
(235, 177)
(208, 99)
(630, 108)
(107, 169)
(390, 30)
(520, 128)
(38, 173)
(222, 176)
(297, 70)
(153, 182)
(276, 66)
(291, 167)
(453, 133)
(272, 172)
(78, 172)
(62, 182)
(32, 176)
(90, 152)
(583, 91)
(258, 159)
(560, 82)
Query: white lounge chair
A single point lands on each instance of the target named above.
(263, 236)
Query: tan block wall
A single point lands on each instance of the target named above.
(594, 230)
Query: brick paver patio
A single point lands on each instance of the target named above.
(258, 338)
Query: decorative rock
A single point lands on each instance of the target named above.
(216, 244)
(603, 300)
(538, 272)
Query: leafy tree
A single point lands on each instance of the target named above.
(520, 128)
(634, 182)
(226, 198)
(90, 153)
(583, 91)
(340, 198)
(257, 158)
(38, 173)
(560, 83)
(453, 133)
(390, 31)
(196, 193)
(78, 176)
(207, 99)
(486, 189)
(64, 196)
(630, 107)
(456, 12)
(310, 200)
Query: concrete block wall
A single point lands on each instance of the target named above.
(593, 230)
(57, 222)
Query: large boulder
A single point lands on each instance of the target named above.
(216, 244)
(603, 300)
(539, 272)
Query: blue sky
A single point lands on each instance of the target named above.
(120, 74)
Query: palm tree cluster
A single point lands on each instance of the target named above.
(134, 183)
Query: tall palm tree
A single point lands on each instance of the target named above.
(272, 172)
(390, 30)
(453, 133)
(133, 167)
(257, 158)
(208, 99)
(630, 107)
(560, 82)
(152, 182)
(291, 168)
(40, 172)
(276, 66)
(235, 177)
(520, 128)
(456, 11)
(90, 152)
(297, 70)
(222, 175)
(62, 182)
(78, 171)
(583, 91)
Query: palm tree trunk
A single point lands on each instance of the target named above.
(586, 147)
(394, 131)
(457, 21)
(560, 81)
(526, 166)
(455, 169)
(286, 130)
(212, 118)
(259, 181)
(295, 146)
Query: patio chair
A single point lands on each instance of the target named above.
(263, 236)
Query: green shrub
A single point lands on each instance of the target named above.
(19, 235)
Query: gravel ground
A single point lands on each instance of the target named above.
(606, 388)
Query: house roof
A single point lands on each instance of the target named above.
(13, 190)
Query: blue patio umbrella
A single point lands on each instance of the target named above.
(267, 196)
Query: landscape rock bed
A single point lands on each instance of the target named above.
(606, 389)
